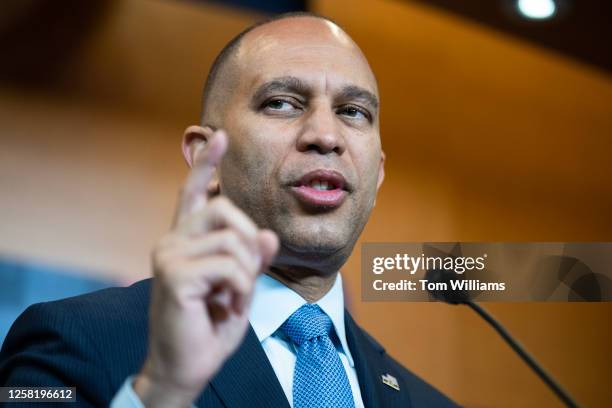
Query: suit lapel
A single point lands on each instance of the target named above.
(370, 367)
(248, 380)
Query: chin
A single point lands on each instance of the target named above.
(320, 246)
(323, 235)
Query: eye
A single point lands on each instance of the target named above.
(279, 105)
(354, 112)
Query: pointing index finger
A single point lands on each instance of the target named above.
(193, 194)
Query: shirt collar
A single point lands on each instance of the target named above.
(266, 316)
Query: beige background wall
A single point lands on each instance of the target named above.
(488, 138)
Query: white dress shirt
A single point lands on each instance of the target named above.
(272, 304)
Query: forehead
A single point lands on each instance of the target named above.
(312, 49)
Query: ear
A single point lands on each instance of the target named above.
(381, 170)
(194, 141)
(381, 173)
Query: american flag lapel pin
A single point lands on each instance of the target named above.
(391, 381)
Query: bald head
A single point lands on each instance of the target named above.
(224, 73)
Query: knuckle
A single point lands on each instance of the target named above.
(159, 258)
(230, 240)
(242, 284)
(228, 264)
(166, 266)
(220, 202)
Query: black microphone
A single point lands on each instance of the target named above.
(462, 297)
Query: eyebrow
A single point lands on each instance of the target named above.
(352, 92)
(295, 85)
(283, 84)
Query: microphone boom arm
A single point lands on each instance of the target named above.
(560, 392)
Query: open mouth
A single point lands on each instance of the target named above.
(321, 189)
(322, 185)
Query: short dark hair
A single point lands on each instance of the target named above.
(224, 55)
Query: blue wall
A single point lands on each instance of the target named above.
(24, 283)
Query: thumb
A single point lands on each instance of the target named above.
(268, 243)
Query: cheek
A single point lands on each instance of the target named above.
(243, 167)
(260, 143)
(249, 165)
(367, 163)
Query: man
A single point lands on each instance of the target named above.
(271, 210)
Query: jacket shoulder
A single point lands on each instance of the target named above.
(92, 341)
(105, 301)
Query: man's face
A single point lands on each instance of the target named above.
(305, 156)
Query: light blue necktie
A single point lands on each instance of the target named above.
(319, 379)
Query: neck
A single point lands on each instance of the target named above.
(310, 286)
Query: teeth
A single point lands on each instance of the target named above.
(321, 185)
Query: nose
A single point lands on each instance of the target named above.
(321, 133)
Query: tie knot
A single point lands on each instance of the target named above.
(306, 323)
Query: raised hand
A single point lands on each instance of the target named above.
(204, 274)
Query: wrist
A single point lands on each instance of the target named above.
(156, 392)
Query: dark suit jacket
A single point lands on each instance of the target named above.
(95, 341)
